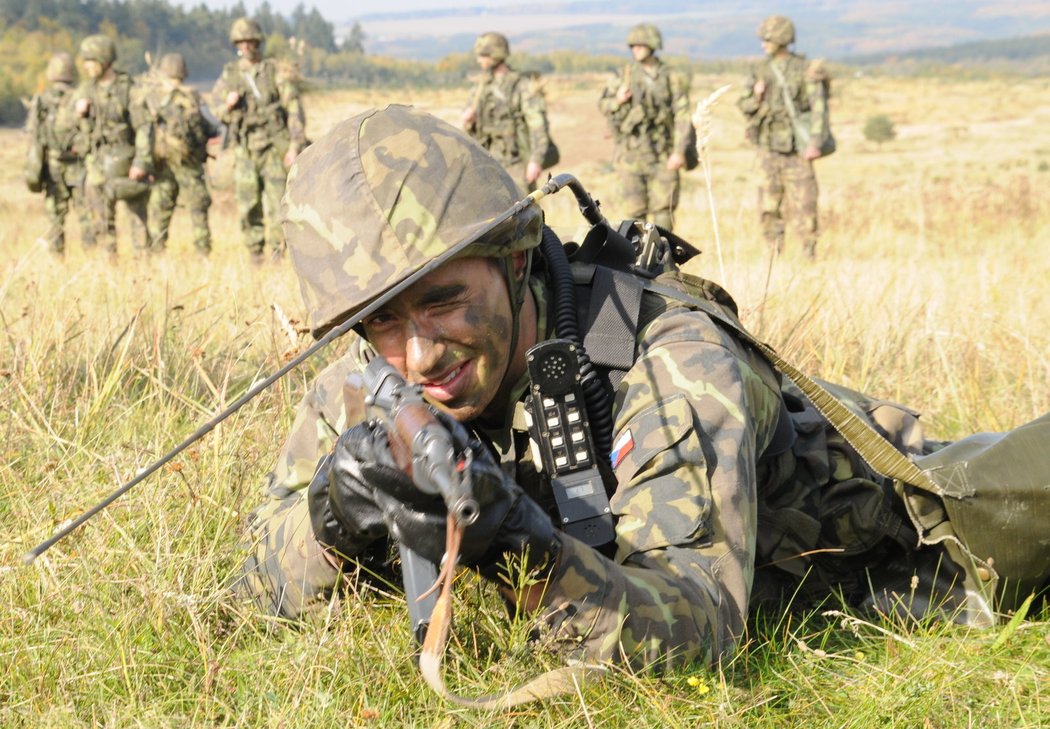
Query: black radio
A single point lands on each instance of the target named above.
(560, 432)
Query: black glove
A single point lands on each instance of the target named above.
(509, 521)
(343, 512)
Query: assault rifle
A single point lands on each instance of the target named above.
(423, 448)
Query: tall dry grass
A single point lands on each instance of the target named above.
(929, 288)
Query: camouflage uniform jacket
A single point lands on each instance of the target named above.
(181, 131)
(52, 122)
(511, 121)
(699, 464)
(655, 121)
(768, 119)
(270, 111)
(118, 119)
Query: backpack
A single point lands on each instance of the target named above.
(984, 498)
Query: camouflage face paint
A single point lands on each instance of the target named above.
(451, 333)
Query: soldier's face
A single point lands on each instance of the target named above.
(451, 333)
(640, 53)
(770, 48)
(93, 69)
(248, 49)
(487, 63)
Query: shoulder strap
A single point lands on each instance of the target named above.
(788, 101)
(878, 452)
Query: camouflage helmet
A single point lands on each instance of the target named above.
(381, 195)
(99, 48)
(61, 68)
(645, 34)
(245, 29)
(777, 29)
(494, 45)
(172, 65)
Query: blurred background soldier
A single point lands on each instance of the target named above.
(648, 110)
(786, 161)
(55, 163)
(117, 125)
(179, 153)
(261, 108)
(507, 114)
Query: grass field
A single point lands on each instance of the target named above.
(930, 288)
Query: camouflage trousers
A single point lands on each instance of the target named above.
(650, 192)
(172, 183)
(259, 179)
(788, 176)
(65, 187)
(102, 210)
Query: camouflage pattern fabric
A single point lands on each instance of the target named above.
(654, 192)
(715, 511)
(119, 125)
(788, 180)
(648, 128)
(770, 128)
(180, 151)
(52, 120)
(266, 123)
(511, 122)
(383, 173)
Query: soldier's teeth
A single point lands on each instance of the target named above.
(448, 378)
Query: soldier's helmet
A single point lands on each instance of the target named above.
(645, 34)
(777, 29)
(99, 48)
(494, 45)
(61, 68)
(384, 193)
(172, 65)
(245, 29)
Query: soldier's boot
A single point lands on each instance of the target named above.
(257, 257)
(810, 247)
(776, 245)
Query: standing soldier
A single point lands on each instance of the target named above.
(782, 88)
(507, 114)
(265, 123)
(116, 123)
(179, 152)
(58, 152)
(648, 110)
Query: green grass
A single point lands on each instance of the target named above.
(930, 290)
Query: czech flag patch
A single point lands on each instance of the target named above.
(623, 445)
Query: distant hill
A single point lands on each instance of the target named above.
(715, 29)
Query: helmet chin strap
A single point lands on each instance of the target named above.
(516, 290)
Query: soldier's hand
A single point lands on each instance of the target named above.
(232, 99)
(759, 88)
(533, 170)
(343, 511)
(509, 521)
(470, 116)
(676, 161)
(289, 158)
(811, 152)
(623, 95)
(137, 173)
(83, 107)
